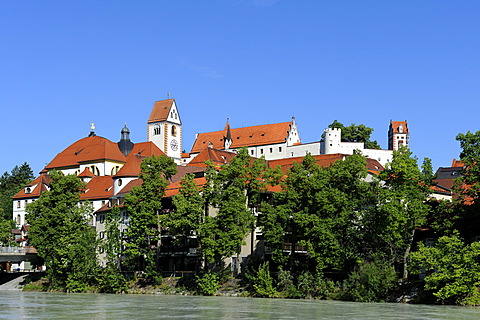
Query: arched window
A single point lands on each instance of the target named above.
(115, 170)
(174, 131)
(95, 170)
(19, 219)
(157, 130)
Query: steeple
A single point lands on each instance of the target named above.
(228, 136)
(125, 145)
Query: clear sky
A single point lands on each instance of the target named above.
(65, 64)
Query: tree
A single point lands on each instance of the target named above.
(356, 133)
(10, 184)
(110, 279)
(318, 208)
(452, 270)
(401, 207)
(470, 155)
(144, 206)
(60, 231)
(229, 189)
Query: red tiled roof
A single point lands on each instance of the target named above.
(129, 186)
(217, 156)
(174, 188)
(323, 160)
(242, 137)
(457, 163)
(160, 110)
(396, 124)
(87, 173)
(87, 150)
(41, 181)
(132, 167)
(183, 170)
(98, 188)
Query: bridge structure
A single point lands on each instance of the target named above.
(16, 254)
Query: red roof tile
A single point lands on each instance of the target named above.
(88, 149)
(160, 110)
(98, 188)
(396, 124)
(242, 137)
(87, 173)
(41, 183)
(323, 160)
(217, 156)
(457, 163)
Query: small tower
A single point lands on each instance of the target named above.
(398, 135)
(227, 139)
(332, 140)
(125, 145)
(164, 128)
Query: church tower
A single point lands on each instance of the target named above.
(398, 135)
(164, 128)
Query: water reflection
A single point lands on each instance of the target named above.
(32, 305)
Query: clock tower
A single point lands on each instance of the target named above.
(164, 128)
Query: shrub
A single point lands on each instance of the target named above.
(371, 282)
(263, 282)
(207, 284)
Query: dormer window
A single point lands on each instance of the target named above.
(28, 190)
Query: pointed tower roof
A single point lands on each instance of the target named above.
(87, 173)
(160, 110)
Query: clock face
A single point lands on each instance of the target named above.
(174, 145)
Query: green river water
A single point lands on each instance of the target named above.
(37, 305)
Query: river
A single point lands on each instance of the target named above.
(39, 305)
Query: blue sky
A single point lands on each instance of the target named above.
(65, 64)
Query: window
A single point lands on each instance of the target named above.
(95, 170)
(115, 170)
(251, 152)
(102, 218)
(101, 235)
(279, 149)
(261, 151)
(28, 190)
(119, 182)
(19, 219)
(271, 150)
(157, 130)
(18, 204)
(174, 131)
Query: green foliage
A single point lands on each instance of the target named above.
(452, 270)
(208, 284)
(371, 282)
(10, 184)
(110, 279)
(262, 282)
(356, 133)
(400, 207)
(317, 209)
(286, 285)
(230, 188)
(144, 206)
(6, 236)
(61, 233)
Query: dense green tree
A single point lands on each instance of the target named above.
(452, 270)
(230, 188)
(144, 207)
(356, 133)
(401, 207)
(189, 210)
(470, 155)
(319, 208)
(10, 184)
(60, 231)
